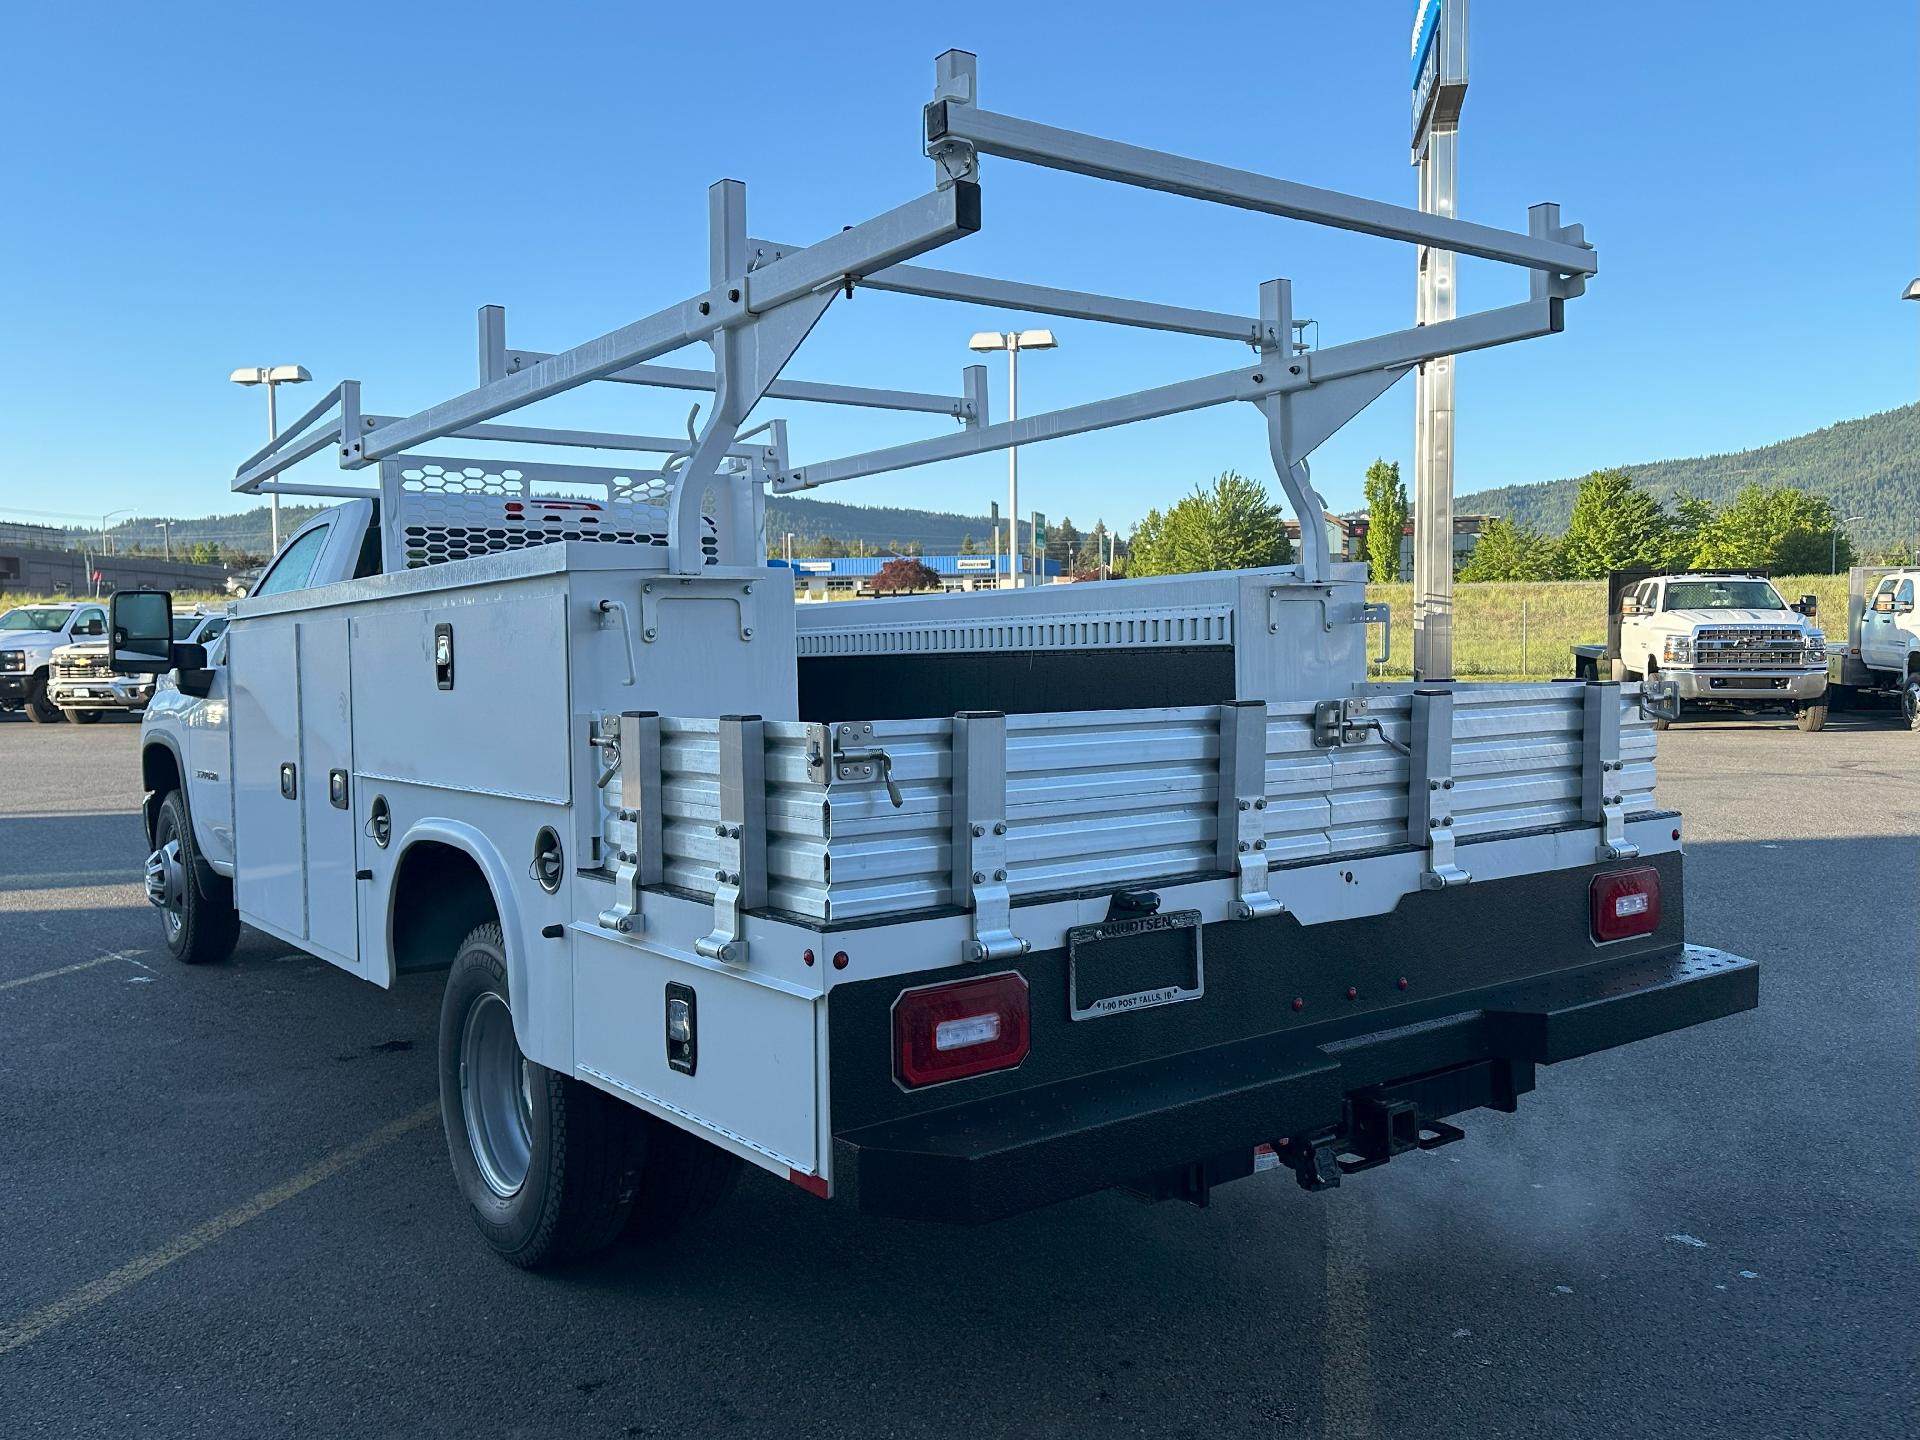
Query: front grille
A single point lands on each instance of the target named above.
(85, 668)
(1756, 647)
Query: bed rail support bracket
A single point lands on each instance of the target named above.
(980, 834)
(1242, 828)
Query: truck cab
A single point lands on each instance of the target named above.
(29, 634)
(1882, 653)
(184, 742)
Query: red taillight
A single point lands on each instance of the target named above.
(948, 1032)
(1625, 902)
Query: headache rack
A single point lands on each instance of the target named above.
(699, 503)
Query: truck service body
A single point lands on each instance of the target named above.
(947, 906)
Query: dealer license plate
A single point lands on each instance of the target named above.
(1134, 964)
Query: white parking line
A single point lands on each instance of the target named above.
(78, 1302)
(126, 955)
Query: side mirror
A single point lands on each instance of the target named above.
(1883, 604)
(142, 627)
(92, 627)
(1809, 606)
(194, 674)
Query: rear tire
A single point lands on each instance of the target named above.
(81, 717)
(1813, 717)
(40, 710)
(200, 928)
(1910, 702)
(681, 1179)
(547, 1165)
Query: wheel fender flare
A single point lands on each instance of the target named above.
(536, 1033)
(205, 878)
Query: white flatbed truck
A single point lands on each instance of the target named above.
(1881, 655)
(848, 892)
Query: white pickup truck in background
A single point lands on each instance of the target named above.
(1882, 653)
(29, 634)
(1722, 640)
(83, 686)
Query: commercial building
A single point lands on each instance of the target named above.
(853, 575)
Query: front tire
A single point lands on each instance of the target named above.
(40, 710)
(1910, 702)
(1813, 717)
(81, 717)
(547, 1164)
(200, 928)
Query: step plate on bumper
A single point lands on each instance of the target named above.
(992, 1158)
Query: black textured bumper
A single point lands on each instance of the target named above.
(14, 687)
(1020, 1150)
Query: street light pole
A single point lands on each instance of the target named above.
(1015, 561)
(106, 536)
(1013, 342)
(165, 527)
(270, 376)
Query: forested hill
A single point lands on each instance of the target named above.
(1867, 467)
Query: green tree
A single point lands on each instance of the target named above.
(1387, 514)
(1063, 542)
(1506, 551)
(1086, 560)
(967, 545)
(1775, 528)
(1231, 525)
(1615, 526)
(1692, 518)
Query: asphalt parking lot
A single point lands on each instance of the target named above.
(226, 1209)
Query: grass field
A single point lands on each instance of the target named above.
(1521, 631)
(1500, 630)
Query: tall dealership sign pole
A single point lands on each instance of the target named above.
(1439, 88)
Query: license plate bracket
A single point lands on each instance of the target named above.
(1137, 963)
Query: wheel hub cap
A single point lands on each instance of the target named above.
(167, 882)
(496, 1096)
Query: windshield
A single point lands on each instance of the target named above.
(36, 617)
(1723, 595)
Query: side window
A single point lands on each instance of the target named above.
(295, 564)
(1905, 597)
(91, 621)
(212, 632)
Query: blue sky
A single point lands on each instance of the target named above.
(191, 188)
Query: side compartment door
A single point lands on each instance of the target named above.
(326, 793)
(263, 679)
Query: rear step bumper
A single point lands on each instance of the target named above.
(992, 1158)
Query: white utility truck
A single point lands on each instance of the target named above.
(945, 907)
(1720, 640)
(1882, 653)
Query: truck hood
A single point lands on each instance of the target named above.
(1771, 619)
(81, 649)
(37, 644)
